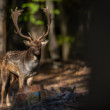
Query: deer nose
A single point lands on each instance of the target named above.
(37, 52)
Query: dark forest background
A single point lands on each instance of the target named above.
(70, 23)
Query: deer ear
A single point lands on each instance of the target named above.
(43, 43)
(27, 43)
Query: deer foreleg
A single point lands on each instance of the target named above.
(29, 81)
(7, 89)
(7, 100)
(4, 77)
(21, 82)
(2, 96)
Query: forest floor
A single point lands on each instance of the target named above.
(73, 74)
(69, 74)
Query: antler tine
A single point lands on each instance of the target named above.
(49, 21)
(30, 35)
(15, 14)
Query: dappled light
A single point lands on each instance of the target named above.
(70, 74)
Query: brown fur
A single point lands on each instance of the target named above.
(23, 64)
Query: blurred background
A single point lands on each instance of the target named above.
(79, 31)
(67, 38)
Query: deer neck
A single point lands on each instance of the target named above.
(30, 56)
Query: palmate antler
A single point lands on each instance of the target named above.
(15, 14)
(49, 21)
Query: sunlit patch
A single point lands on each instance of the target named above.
(68, 76)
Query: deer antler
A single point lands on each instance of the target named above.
(49, 21)
(15, 14)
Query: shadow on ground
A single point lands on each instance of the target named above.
(69, 74)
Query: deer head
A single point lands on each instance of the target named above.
(36, 44)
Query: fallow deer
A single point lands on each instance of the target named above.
(24, 64)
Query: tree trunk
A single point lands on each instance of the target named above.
(65, 45)
(2, 27)
(53, 44)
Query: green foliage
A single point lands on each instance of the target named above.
(33, 8)
(34, 21)
(45, 0)
(38, 0)
(68, 39)
(56, 0)
(57, 11)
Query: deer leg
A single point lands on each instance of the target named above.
(21, 82)
(12, 79)
(2, 95)
(4, 77)
(29, 81)
(7, 91)
(7, 100)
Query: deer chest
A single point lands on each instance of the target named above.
(29, 69)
